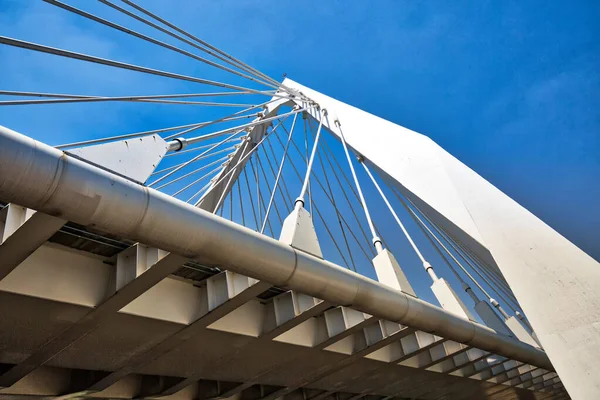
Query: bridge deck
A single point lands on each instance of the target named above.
(205, 333)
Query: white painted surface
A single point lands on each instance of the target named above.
(520, 331)
(51, 270)
(299, 232)
(390, 273)
(490, 318)
(449, 300)
(557, 284)
(413, 160)
(245, 320)
(15, 217)
(134, 158)
(187, 306)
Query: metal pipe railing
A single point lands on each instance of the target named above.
(38, 176)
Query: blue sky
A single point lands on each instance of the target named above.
(511, 88)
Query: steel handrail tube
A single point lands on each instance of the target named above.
(41, 177)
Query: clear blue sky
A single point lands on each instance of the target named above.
(511, 88)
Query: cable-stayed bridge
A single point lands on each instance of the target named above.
(285, 245)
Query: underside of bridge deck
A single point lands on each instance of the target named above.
(90, 315)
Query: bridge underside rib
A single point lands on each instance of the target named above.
(224, 358)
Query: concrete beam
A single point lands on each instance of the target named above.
(340, 323)
(155, 269)
(497, 375)
(290, 310)
(448, 356)
(471, 360)
(483, 370)
(517, 372)
(329, 369)
(225, 293)
(24, 232)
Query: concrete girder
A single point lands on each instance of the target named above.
(52, 382)
(436, 364)
(25, 230)
(349, 318)
(501, 373)
(225, 292)
(143, 274)
(327, 370)
(289, 310)
(339, 322)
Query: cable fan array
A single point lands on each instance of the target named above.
(274, 153)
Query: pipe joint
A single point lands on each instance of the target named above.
(378, 244)
(178, 144)
(470, 292)
(429, 268)
(519, 315)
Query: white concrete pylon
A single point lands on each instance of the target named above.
(555, 282)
